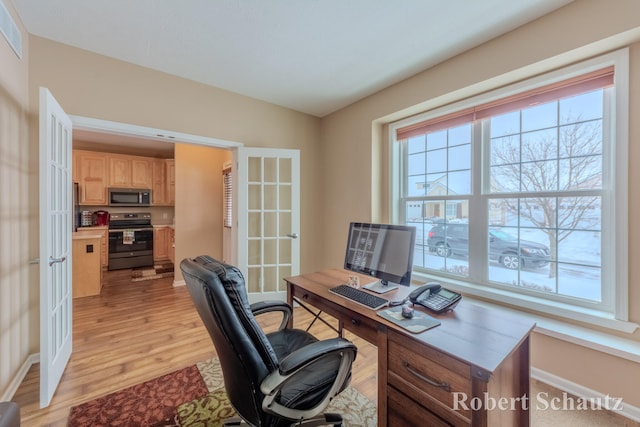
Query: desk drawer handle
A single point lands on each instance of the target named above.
(355, 322)
(434, 383)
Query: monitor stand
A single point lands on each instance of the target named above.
(380, 286)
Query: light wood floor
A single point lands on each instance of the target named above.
(136, 331)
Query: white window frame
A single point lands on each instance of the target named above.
(614, 221)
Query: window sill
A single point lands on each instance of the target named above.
(578, 334)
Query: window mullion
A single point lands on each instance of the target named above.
(478, 259)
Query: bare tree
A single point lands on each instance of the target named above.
(569, 159)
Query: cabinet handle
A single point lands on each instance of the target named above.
(355, 322)
(444, 386)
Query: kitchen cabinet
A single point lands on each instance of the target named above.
(119, 172)
(96, 171)
(87, 274)
(172, 245)
(104, 248)
(171, 181)
(141, 173)
(92, 177)
(159, 182)
(103, 232)
(129, 171)
(161, 242)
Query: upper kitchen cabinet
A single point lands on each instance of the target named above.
(159, 187)
(92, 177)
(171, 181)
(130, 171)
(96, 171)
(163, 189)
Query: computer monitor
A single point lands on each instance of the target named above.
(383, 251)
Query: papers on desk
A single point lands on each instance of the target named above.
(420, 322)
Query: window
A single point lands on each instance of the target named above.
(514, 192)
(227, 195)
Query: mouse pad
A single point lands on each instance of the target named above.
(420, 322)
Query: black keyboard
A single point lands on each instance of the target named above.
(361, 297)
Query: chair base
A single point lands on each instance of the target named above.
(321, 420)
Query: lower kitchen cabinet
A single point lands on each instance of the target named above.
(172, 245)
(87, 271)
(103, 232)
(161, 239)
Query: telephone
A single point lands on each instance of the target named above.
(435, 298)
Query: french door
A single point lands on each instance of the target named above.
(268, 201)
(55, 244)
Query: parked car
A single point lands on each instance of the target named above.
(447, 239)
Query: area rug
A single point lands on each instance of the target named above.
(157, 271)
(193, 396)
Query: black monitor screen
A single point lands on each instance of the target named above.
(384, 251)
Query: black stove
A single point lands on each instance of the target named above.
(130, 240)
(120, 221)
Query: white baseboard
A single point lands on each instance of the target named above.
(177, 283)
(628, 411)
(31, 360)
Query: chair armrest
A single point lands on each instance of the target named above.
(269, 306)
(292, 365)
(312, 352)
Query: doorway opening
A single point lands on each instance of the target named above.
(201, 153)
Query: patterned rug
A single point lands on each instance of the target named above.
(190, 397)
(158, 271)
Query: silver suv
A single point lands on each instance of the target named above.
(446, 239)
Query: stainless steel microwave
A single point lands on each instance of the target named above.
(129, 197)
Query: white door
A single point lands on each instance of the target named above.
(268, 201)
(55, 244)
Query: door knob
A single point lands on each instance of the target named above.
(293, 235)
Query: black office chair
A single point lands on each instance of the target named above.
(283, 378)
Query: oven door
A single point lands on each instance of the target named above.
(131, 247)
(130, 240)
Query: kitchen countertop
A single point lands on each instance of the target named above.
(79, 236)
(93, 227)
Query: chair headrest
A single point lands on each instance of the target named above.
(234, 290)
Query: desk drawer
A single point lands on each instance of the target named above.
(405, 412)
(429, 377)
(361, 326)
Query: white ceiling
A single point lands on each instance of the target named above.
(314, 56)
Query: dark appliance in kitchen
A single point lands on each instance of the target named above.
(129, 197)
(77, 215)
(130, 240)
(101, 218)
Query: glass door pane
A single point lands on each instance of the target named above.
(269, 245)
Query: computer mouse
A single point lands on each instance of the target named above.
(407, 311)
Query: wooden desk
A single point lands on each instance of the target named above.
(460, 373)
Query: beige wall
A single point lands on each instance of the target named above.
(198, 195)
(91, 85)
(87, 84)
(16, 213)
(354, 146)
